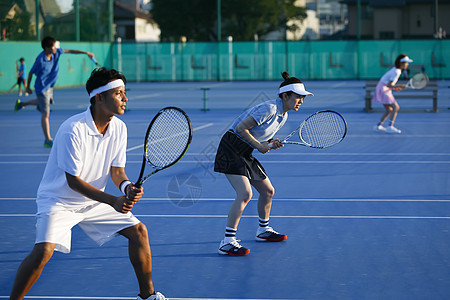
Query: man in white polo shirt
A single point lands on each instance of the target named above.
(88, 148)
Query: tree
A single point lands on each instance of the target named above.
(194, 19)
(241, 19)
(19, 27)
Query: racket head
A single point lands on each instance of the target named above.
(167, 139)
(323, 129)
(419, 81)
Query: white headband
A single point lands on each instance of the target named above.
(298, 88)
(110, 85)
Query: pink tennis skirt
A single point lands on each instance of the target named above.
(383, 94)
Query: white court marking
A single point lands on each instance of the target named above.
(277, 199)
(127, 298)
(195, 129)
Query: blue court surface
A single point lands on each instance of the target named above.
(366, 219)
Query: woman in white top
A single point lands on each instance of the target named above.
(383, 94)
(254, 129)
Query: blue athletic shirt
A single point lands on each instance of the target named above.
(269, 117)
(23, 69)
(46, 71)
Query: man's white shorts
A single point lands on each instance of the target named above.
(99, 221)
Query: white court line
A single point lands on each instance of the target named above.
(23, 154)
(316, 162)
(282, 152)
(351, 154)
(271, 154)
(126, 298)
(381, 135)
(358, 162)
(348, 162)
(210, 86)
(146, 96)
(255, 216)
(22, 162)
(277, 199)
(195, 129)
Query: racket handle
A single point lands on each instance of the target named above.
(271, 144)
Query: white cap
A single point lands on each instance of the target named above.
(406, 59)
(297, 88)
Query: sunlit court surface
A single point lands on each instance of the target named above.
(368, 218)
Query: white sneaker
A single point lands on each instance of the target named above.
(232, 248)
(392, 129)
(157, 296)
(379, 128)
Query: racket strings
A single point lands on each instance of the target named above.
(168, 138)
(419, 80)
(323, 130)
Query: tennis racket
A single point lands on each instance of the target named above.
(320, 130)
(166, 141)
(95, 61)
(418, 81)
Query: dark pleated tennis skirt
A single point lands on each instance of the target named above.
(234, 156)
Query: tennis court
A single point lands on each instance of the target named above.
(366, 219)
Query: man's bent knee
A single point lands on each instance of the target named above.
(42, 252)
(136, 232)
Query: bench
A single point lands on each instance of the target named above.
(429, 92)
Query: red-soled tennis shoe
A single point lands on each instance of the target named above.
(232, 248)
(267, 234)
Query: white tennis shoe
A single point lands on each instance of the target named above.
(393, 130)
(157, 296)
(379, 128)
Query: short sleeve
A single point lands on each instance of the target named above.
(262, 113)
(35, 68)
(69, 154)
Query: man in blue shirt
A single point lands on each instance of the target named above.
(46, 69)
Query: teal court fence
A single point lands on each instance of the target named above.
(262, 60)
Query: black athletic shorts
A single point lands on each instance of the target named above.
(234, 156)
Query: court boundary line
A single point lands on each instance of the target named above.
(272, 153)
(410, 162)
(273, 216)
(321, 162)
(195, 129)
(127, 298)
(276, 199)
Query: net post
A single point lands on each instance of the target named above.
(204, 99)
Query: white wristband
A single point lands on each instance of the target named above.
(124, 185)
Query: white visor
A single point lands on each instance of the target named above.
(297, 88)
(406, 59)
(110, 85)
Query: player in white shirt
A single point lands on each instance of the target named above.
(383, 94)
(89, 148)
(254, 129)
